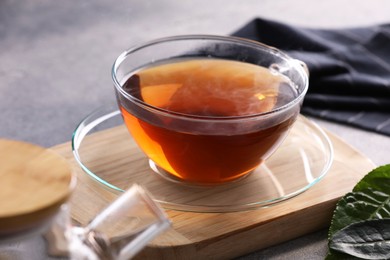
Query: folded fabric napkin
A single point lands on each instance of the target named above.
(349, 69)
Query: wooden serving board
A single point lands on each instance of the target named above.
(228, 235)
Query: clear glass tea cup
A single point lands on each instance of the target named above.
(208, 109)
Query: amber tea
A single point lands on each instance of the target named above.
(199, 117)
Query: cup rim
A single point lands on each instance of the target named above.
(297, 64)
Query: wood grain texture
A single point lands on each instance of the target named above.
(34, 183)
(226, 235)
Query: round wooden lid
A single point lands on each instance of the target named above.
(34, 183)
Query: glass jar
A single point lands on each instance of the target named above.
(35, 218)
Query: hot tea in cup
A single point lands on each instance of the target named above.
(208, 109)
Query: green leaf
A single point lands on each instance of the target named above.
(378, 179)
(365, 202)
(369, 200)
(368, 239)
(358, 206)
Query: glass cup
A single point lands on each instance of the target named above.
(122, 229)
(208, 109)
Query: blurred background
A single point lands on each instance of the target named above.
(56, 57)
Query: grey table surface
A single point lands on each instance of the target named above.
(56, 57)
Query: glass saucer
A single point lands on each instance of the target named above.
(106, 151)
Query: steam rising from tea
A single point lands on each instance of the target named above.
(211, 87)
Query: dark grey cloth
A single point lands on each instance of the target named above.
(349, 69)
